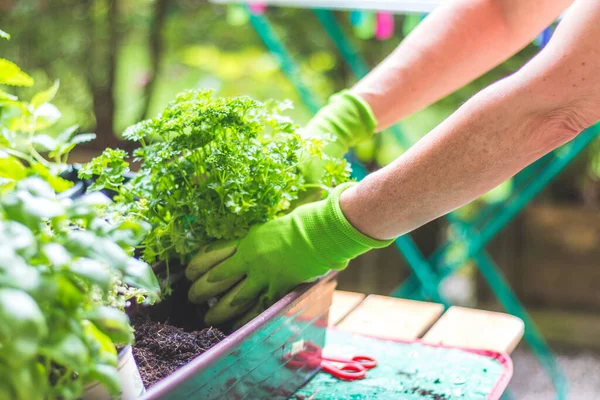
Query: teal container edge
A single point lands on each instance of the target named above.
(251, 362)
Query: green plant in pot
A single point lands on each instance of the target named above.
(66, 275)
(210, 168)
(26, 146)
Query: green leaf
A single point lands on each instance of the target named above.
(109, 376)
(110, 168)
(69, 295)
(92, 271)
(87, 206)
(138, 131)
(139, 274)
(4, 35)
(56, 254)
(11, 74)
(7, 96)
(66, 135)
(107, 347)
(29, 208)
(66, 141)
(29, 381)
(57, 183)
(22, 326)
(86, 244)
(68, 350)
(129, 233)
(112, 323)
(44, 142)
(46, 115)
(83, 138)
(14, 272)
(11, 167)
(18, 236)
(45, 96)
(37, 187)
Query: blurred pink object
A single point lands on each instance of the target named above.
(257, 8)
(143, 79)
(385, 26)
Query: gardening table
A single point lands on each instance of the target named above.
(407, 321)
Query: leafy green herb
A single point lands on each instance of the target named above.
(22, 132)
(11, 74)
(210, 169)
(65, 277)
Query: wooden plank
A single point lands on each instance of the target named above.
(391, 318)
(476, 329)
(343, 303)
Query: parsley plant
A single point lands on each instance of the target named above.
(210, 168)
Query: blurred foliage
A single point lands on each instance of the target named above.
(120, 61)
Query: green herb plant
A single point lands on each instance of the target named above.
(65, 277)
(210, 168)
(26, 149)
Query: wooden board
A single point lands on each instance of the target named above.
(476, 329)
(391, 318)
(343, 303)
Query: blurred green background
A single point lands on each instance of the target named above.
(119, 61)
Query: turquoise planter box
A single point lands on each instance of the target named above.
(250, 363)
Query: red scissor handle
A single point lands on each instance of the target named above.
(364, 361)
(344, 371)
(342, 368)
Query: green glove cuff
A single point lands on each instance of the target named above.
(347, 117)
(330, 234)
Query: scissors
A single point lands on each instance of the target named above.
(342, 368)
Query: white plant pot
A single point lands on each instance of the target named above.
(131, 381)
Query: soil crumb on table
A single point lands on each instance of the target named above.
(160, 349)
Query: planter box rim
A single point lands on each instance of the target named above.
(221, 349)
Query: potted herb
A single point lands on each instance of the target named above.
(65, 277)
(66, 274)
(26, 148)
(209, 169)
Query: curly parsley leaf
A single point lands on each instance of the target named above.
(210, 168)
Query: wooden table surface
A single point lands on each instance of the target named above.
(401, 319)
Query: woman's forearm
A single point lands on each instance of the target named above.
(455, 44)
(478, 147)
(491, 137)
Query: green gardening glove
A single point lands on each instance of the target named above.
(348, 119)
(252, 272)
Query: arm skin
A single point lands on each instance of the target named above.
(491, 137)
(454, 45)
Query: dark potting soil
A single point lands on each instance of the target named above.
(160, 348)
(170, 334)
